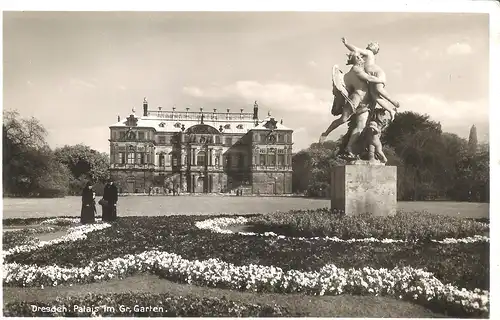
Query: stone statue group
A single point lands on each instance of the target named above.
(361, 100)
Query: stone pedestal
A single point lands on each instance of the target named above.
(364, 188)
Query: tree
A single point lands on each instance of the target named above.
(85, 164)
(473, 173)
(301, 171)
(29, 167)
(405, 124)
(472, 140)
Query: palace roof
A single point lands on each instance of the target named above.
(238, 123)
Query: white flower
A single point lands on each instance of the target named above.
(218, 225)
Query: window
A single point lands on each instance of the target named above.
(121, 157)
(281, 137)
(217, 139)
(174, 160)
(281, 159)
(262, 159)
(228, 141)
(177, 125)
(272, 159)
(263, 137)
(122, 134)
(162, 125)
(141, 135)
(161, 160)
(161, 139)
(227, 126)
(240, 126)
(201, 158)
(131, 158)
(141, 158)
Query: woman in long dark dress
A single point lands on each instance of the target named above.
(88, 205)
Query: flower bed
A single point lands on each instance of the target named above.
(74, 233)
(176, 249)
(220, 225)
(404, 225)
(144, 305)
(464, 265)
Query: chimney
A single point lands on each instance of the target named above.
(255, 111)
(228, 110)
(145, 107)
(281, 122)
(119, 118)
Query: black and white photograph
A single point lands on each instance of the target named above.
(211, 160)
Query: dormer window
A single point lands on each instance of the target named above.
(240, 126)
(177, 125)
(162, 124)
(227, 126)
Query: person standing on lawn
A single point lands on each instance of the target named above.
(88, 205)
(110, 197)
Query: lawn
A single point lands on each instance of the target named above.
(288, 266)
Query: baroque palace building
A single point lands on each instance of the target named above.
(201, 151)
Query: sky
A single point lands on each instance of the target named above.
(77, 71)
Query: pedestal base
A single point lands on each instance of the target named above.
(364, 188)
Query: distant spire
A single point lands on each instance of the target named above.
(269, 113)
(202, 117)
(281, 122)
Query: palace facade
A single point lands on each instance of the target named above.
(201, 152)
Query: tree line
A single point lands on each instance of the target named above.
(32, 169)
(432, 164)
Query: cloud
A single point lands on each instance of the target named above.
(421, 52)
(304, 109)
(454, 116)
(459, 49)
(81, 83)
(312, 63)
(275, 95)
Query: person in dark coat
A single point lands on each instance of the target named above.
(110, 197)
(88, 205)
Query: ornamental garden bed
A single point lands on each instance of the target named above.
(446, 269)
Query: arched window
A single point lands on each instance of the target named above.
(201, 158)
(161, 159)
